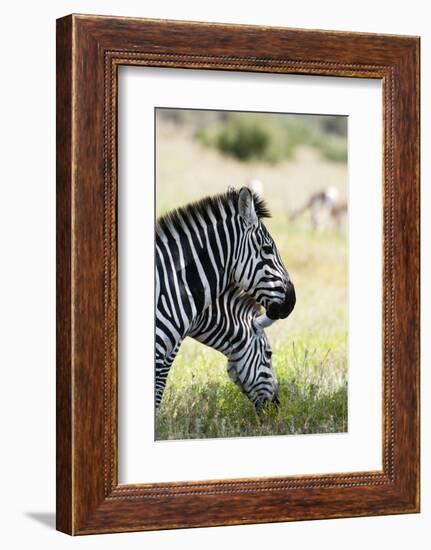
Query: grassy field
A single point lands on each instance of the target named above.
(310, 346)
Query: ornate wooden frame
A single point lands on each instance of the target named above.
(89, 51)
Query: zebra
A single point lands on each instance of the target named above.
(201, 250)
(234, 326)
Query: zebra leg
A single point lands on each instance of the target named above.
(163, 365)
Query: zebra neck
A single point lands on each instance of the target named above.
(200, 257)
(226, 325)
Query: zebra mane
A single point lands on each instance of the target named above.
(217, 203)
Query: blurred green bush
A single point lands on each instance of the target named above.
(250, 137)
(272, 138)
(333, 148)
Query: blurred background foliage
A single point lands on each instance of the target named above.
(266, 137)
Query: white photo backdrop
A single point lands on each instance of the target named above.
(141, 458)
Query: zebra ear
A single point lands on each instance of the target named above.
(262, 322)
(246, 206)
(232, 372)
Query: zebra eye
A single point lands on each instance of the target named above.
(267, 249)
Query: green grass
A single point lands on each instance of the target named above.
(309, 347)
(201, 402)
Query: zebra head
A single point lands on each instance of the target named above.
(251, 367)
(259, 270)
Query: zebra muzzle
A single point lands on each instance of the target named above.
(268, 404)
(284, 309)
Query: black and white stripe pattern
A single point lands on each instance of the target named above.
(201, 251)
(234, 326)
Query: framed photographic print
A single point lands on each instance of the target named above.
(237, 274)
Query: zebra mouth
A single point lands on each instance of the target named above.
(267, 404)
(284, 309)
